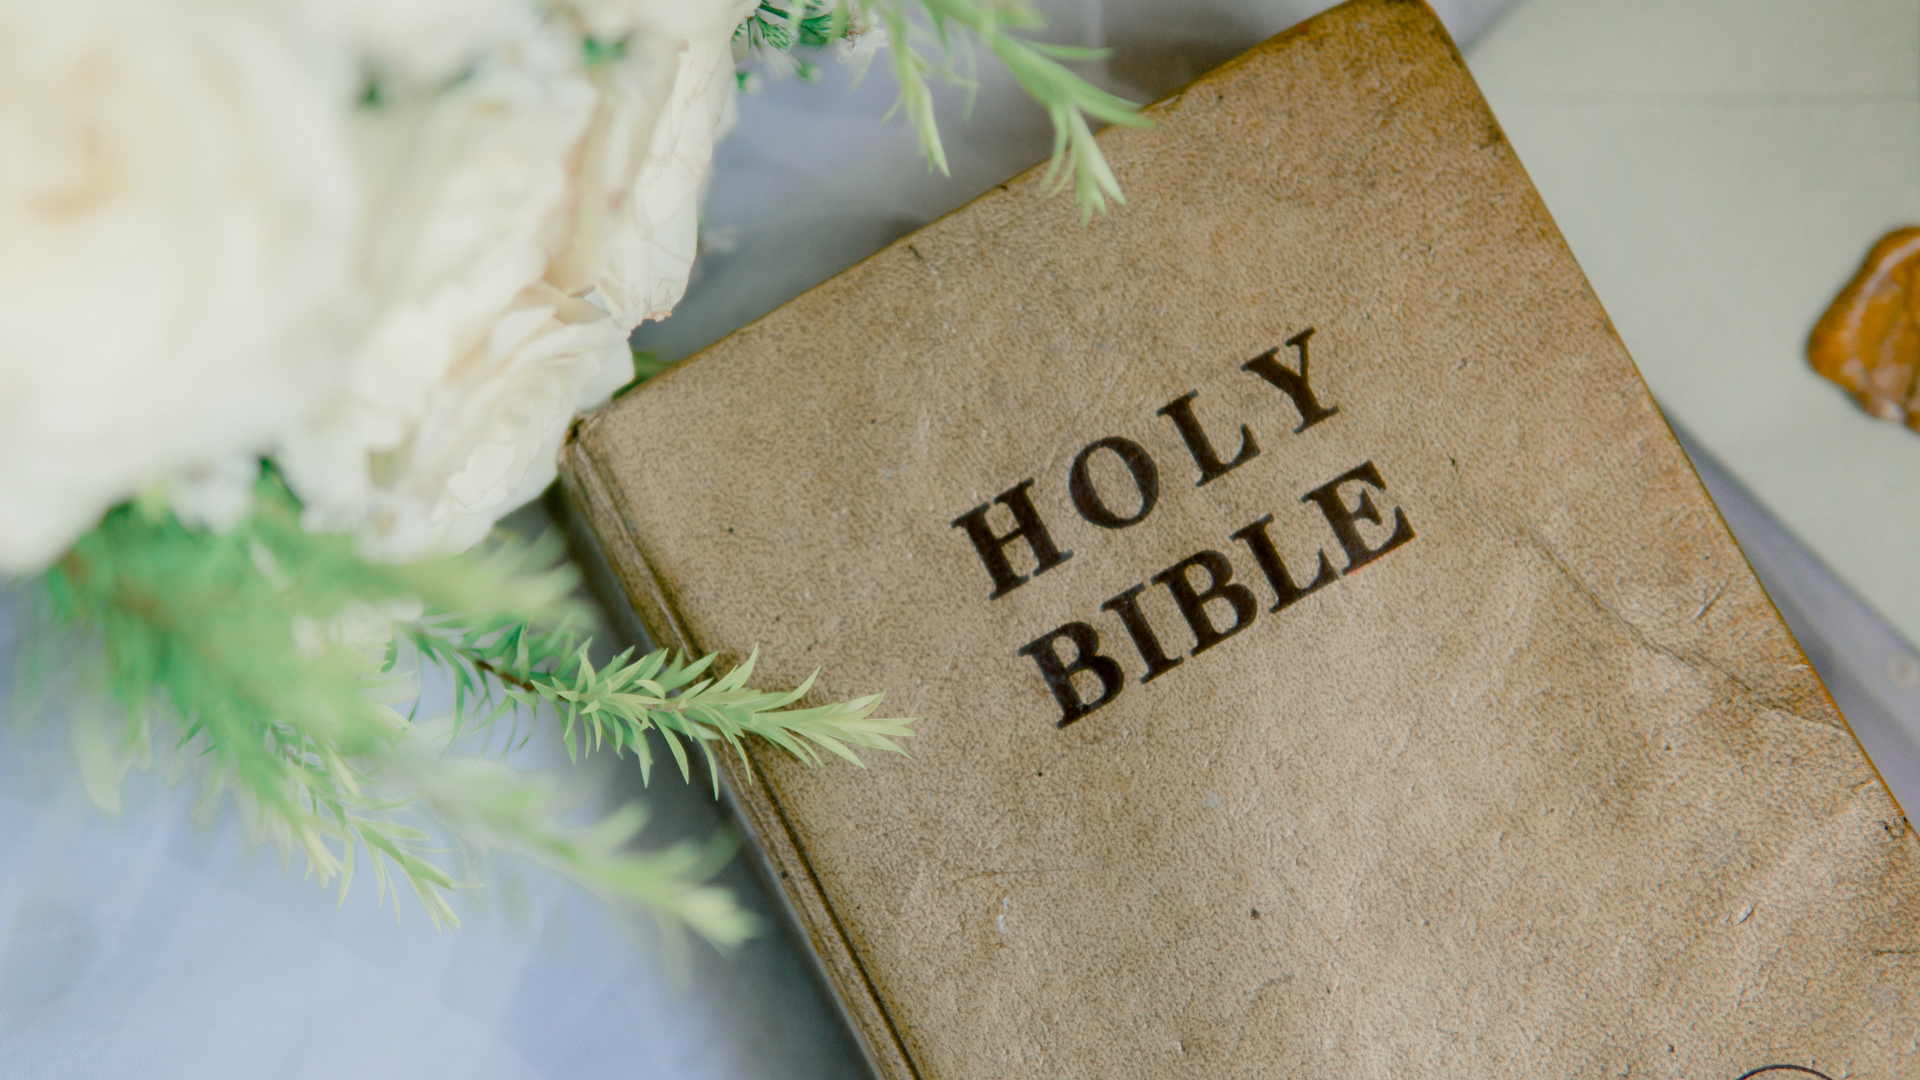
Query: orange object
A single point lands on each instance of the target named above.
(1869, 340)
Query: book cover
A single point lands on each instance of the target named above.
(1328, 663)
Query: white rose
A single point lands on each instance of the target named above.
(465, 188)
(412, 43)
(176, 217)
(662, 106)
(490, 436)
(455, 418)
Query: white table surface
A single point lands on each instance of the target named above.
(153, 947)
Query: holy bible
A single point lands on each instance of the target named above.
(1327, 663)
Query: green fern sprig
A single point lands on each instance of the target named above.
(237, 651)
(1071, 102)
(497, 665)
(1068, 99)
(206, 630)
(487, 804)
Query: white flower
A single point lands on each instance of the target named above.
(209, 252)
(865, 37)
(466, 188)
(176, 216)
(572, 188)
(216, 495)
(412, 42)
(662, 106)
(490, 436)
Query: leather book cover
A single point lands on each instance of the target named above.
(1328, 664)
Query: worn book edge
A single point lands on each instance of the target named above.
(593, 513)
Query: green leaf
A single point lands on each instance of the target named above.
(921, 33)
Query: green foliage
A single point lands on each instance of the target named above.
(487, 804)
(921, 33)
(811, 24)
(498, 663)
(596, 53)
(263, 656)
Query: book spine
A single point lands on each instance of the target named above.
(612, 553)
